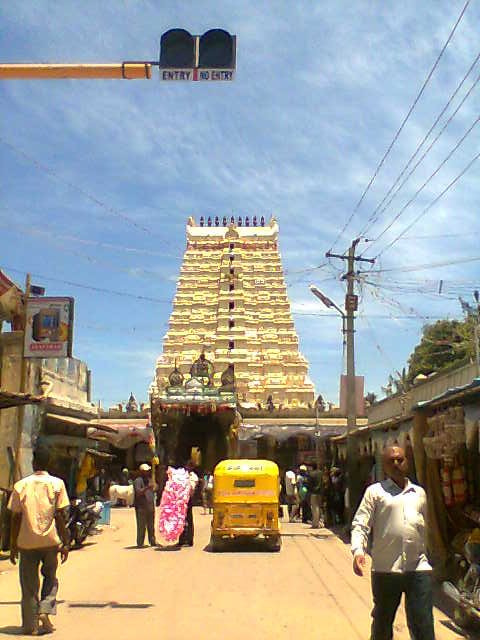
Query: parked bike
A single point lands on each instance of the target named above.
(82, 520)
(466, 590)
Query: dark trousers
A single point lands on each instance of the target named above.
(387, 591)
(32, 604)
(186, 536)
(145, 522)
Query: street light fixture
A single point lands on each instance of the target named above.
(331, 305)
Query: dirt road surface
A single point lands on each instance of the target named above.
(111, 590)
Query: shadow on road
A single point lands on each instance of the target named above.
(173, 547)
(239, 547)
(112, 605)
(470, 634)
(11, 631)
(446, 605)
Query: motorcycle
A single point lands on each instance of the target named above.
(82, 520)
(466, 590)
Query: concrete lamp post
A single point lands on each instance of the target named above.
(348, 342)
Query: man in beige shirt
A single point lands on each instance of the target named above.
(39, 533)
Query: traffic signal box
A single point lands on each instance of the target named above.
(209, 57)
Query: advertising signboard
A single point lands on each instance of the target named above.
(359, 395)
(49, 328)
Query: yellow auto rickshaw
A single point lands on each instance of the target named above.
(245, 503)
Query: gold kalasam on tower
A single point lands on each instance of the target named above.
(231, 303)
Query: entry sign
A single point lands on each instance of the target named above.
(200, 75)
(49, 328)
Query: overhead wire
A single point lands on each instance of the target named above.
(130, 271)
(36, 231)
(107, 208)
(420, 267)
(432, 204)
(405, 120)
(426, 182)
(379, 209)
(124, 294)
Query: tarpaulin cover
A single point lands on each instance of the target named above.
(124, 436)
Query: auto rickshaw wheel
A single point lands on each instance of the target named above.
(217, 543)
(274, 543)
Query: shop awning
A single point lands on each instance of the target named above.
(122, 433)
(67, 420)
(470, 388)
(71, 445)
(283, 432)
(15, 399)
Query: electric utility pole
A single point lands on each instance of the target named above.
(351, 305)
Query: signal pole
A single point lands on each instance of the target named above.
(351, 305)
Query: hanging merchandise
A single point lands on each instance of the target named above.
(459, 485)
(447, 485)
(446, 434)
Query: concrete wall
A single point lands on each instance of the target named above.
(11, 349)
(67, 381)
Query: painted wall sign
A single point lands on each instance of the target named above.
(49, 328)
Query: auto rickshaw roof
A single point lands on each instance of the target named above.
(249, 467)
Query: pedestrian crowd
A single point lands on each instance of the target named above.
(314, 495)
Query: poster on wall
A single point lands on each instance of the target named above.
(49, 328)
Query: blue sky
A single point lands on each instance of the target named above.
(99, 177)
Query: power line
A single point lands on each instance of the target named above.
(434, 202)
(373, 218)
(420, 267)
(90, 287)
(131, 271)
(376, 316)
(35, 231)
(410, 111)
(427, 181)
(109, 209)
(307, 270)
(442, 235)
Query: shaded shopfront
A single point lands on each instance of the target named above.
(448, 466)
(290, 442)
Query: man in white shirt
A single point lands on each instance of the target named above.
(291, 494)
(39, 533)
(395, 512)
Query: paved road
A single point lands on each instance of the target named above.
(110, 590)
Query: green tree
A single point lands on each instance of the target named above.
(444, 344)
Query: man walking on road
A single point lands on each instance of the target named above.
(315, 487)
(145, 505)
(395, 511)
(38, 534)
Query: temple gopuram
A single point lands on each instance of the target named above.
(231, 344)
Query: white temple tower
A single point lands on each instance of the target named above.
(231, 303)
